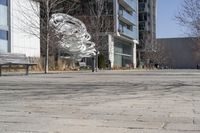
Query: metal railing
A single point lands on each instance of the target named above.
(133, 34)
(128, 17)
(132, 4)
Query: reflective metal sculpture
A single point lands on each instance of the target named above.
(75, 38)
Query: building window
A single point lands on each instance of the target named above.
(4, 2)
(143, 1)
(143, 16)
(124, 25)
(142, 6)
(3, 46)
(122, 54)
(3, 35)
(142, 26)
(3, 16)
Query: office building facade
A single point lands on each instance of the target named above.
(4, 25)
(147, 27)
(125, 37)
(122, 36)
(13, 27)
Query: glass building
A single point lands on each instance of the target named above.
(4, 26)
(13, 38)
(121, 30)
(127, 33)
(118, 30)
(147, 29)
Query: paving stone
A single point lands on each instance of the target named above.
(182, 127)
(105, 102)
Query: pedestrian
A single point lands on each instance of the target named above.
(109, 64)
(93, 64)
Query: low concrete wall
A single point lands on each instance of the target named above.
(182, 52)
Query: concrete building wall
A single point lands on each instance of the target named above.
(111, 49)
(181, 52)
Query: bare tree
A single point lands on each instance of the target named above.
(98, 17)
(142, 49)
(42, 28)
(189, 18)
(161, 55)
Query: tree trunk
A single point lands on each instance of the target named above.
(47, 38)
(97, 62)
(47, 55)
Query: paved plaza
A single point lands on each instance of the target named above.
(165, 101)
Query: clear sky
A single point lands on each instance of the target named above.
(167, 26)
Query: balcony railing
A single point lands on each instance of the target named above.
(133, 34)
(128, 18)
(131, 4)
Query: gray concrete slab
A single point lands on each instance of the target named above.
(165, 101)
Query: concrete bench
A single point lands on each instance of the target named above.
(8, 60)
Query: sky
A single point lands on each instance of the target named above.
(167, 26)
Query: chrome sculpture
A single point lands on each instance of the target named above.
(74, 36)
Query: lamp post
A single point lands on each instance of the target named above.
(93, 63)
(97, 61)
